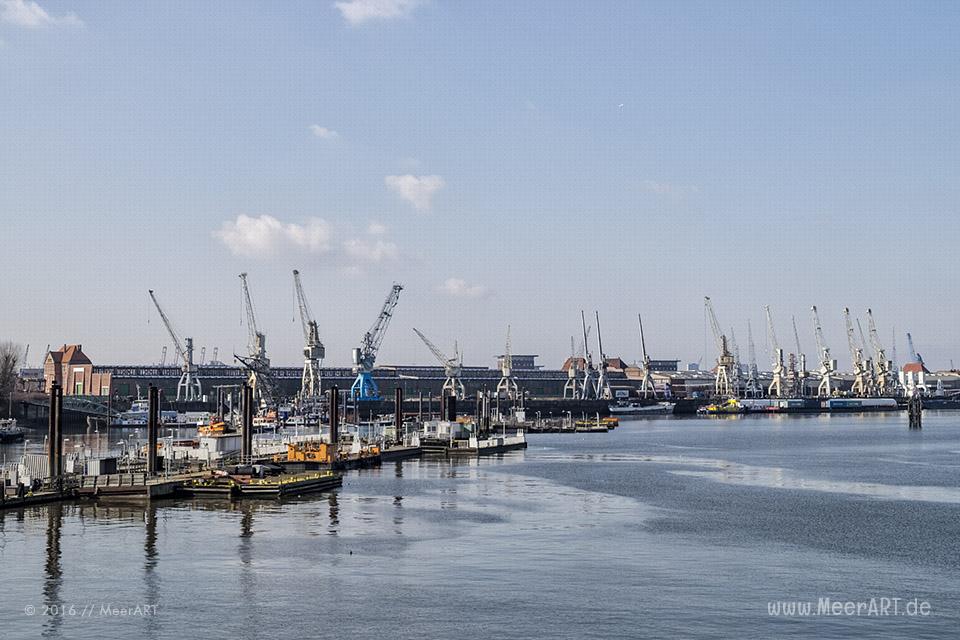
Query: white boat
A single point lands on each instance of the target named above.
(9, 431)
(635, 408)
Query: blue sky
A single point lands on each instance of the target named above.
(509, 162)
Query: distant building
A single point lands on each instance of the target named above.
(71, 368)
(521, 362)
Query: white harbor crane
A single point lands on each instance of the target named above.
(313, 349)
(216, 351)
(646, 384)
(868, 364)
(827, 364)
(725, 360)
(861, 375)
(163, 356)
(893, 345)
(752, 388)
(571, 386)
(887, 382)
(801, 373)
(587, 390)
(603, 383)
(365, 356)
(188, 388)
(507, 385)
(257, 363)
(775, 390)
(452, 367)
(203, 354)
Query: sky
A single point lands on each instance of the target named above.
(507, 162)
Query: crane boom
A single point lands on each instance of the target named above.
(725, 360)
(365, 356)
(257, 362)
(188, 388)
(439, 355)
(313, 349)
(177, 343)
(452, 367)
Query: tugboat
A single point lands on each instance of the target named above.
(730, 406)
(10, 432)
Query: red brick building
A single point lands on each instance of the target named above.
(71, 368)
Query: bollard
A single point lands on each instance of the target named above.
(153, 428)
(55, 436)
(334, 423)
(246, 435)
(398, 415)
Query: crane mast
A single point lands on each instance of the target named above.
(452, 367)
(259, 376)
(725, 360)
(507, 385)
(827, 365)
(752, 388)
(861, 383)
(737, 366)
(887, 382)
(313, 349)
(188, 388)
(800, 373)
(365, 356)
(646, 385)
(603, 383)
(775, 390)
(587, 390)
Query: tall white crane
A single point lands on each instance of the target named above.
(603, 382)
(588, 389)
(163, 356)
(861, 374)
(188, 388)
(752, 388)
(257, 363)
(507, 385)
(365, 356)
(571, 388)
(203, 354)
(775, 390)
(646, 384)
(886, 380)
(827, 364)
(801, 373)
(725, 360)
(452, 367)
(313, 349)
(737, 365)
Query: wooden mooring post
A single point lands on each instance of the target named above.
(915, 411)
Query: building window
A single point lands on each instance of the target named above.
(78, 389)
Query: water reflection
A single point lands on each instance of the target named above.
(151, 580)
(53, 572)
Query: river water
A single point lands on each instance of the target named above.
(666, 528)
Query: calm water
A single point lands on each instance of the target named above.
(663, 528)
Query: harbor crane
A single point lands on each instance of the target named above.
(256, 362)
(800, 373)
(752, 388)
(887, 382)
(452, 367)
(646, 384)
(725, 360)
(775, 390)
(313, 349)
(868, 363)
(507, 385)
(603, 383)
(914, 356)
(365, 356)
(570, 387)
(861, 375)
(203, 354)
(737, 366)
(188, 388)
(163, 356)
(827, 365)
(588, 390)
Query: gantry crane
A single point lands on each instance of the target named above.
(887, 382)
(646, 385)
(259, 375)
(365, 356)
(861, 375)
(752, 388)
(452, 367)
(775, 390)
(313, 349)
(603, 382)
(801, 374)
(188, 388)
(570, 388)
(827, 364)
(507, 385)
(588, 390)
(725, 360)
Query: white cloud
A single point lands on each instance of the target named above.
(417, 190)
(668, 189)
(458, 288)
(29, 14)
(376, 229)
(323, 132)
(366, 251)
(360, 11)
(266, 236)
